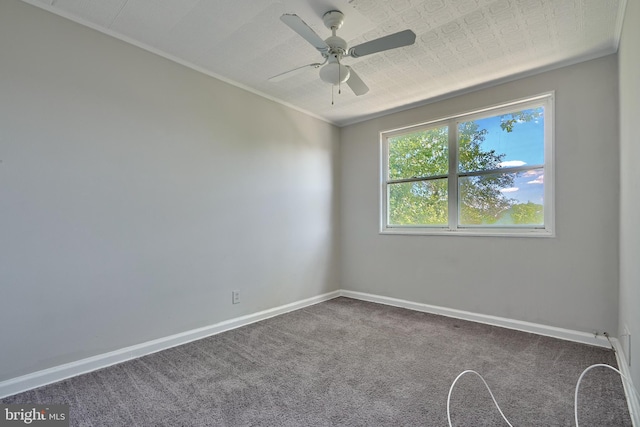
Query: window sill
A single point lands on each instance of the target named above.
(471, 232)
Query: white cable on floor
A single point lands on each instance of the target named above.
(575, 399)
(486, 385)
(575, 396)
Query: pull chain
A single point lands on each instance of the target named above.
(339, 78)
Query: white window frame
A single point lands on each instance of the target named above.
(545, 100)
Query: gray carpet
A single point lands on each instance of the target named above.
(349, 363)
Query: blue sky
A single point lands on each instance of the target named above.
(523, 146)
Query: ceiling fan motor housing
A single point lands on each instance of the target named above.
(336, 44)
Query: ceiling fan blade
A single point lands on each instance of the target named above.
(356, 84)
(299, 26)
(291, 73)
(392, 41)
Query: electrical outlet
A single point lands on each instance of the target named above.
(235, 297)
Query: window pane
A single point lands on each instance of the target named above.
(502, 199)
(419, 154)
(418, 203)
(507, 140)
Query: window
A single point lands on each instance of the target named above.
(487, 172)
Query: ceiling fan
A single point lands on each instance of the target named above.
(334, 48)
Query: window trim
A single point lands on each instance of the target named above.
(547, 100)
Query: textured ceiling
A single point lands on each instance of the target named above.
(460, 44)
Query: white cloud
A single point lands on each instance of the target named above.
(538, 180)
(511, 163)
(509, 190)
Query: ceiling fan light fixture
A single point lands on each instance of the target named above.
(334, 73)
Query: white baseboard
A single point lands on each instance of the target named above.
(534, 328)
(72, 369)
(633, 399)
(68, 370)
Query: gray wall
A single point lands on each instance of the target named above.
(135, 194)
(629, 63)
(569, 281)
